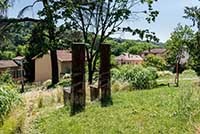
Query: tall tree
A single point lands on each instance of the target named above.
(52, 40)
(177, 46)
(8, 24)
(179, 42)
(98, 19)
(49, 24)
(193, 13)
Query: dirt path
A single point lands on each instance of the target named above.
(35, 103)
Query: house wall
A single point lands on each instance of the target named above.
(137, 62)
(43, 68)
(65, 67)
(156, 54)
(130, 62)
(15, 72)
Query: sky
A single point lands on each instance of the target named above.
(171, 13)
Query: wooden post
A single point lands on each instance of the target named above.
(177, 75)
(104, 78)
(78, 93)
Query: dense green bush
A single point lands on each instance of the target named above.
(8, 99)
(155, 61)
(138, 76)
(6, 77)
(7, 55)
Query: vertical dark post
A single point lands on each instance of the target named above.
(22, 75)
(78, 94)
(177, 74)
(104, 78)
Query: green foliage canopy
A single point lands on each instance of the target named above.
(193, 13)
(178, 43)
(155, 61)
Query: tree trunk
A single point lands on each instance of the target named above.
(90, 77)
(177, 74)
(54, 65)
(90, 72)
(51, 31)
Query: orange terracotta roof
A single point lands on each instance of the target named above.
(64, 55)
(155, 51)
(129, 57)
(7, 64)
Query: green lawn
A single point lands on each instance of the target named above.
(162, 110)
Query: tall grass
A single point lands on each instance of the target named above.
(9, 98)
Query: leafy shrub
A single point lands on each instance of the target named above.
(65, 82)
(6, 77)
(165, 74)
(189, 73)
(5, 55)
(8, 99)
(155, 61)
(153, 72)
(138, 76)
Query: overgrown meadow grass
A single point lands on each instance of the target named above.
(162, 110)
(152, 111)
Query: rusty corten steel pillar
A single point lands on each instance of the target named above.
(104, 78)
(78, 93)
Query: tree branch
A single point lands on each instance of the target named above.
(15, 20)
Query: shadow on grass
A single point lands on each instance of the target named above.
(76, 110)
(162, 85)
(106, 102)
(157, 86)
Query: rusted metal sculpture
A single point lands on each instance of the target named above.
(104, 78)
(78, 93)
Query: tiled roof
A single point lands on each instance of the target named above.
(156, 51)
(19, 58)
(7, 64)
(129, 57)
(64, 55)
